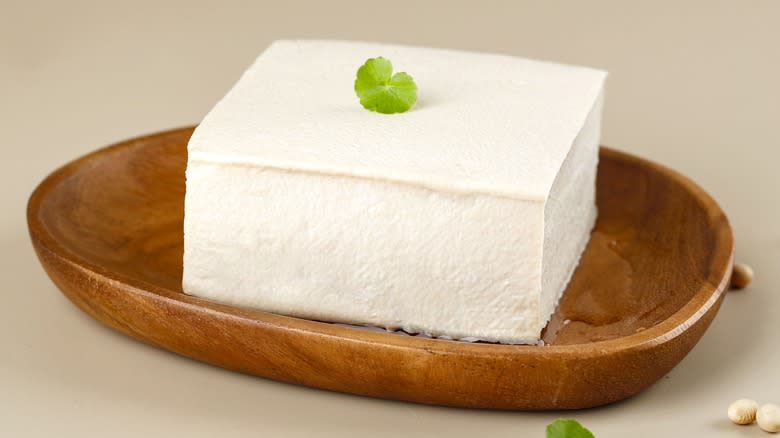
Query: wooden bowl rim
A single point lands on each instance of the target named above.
(714, 285)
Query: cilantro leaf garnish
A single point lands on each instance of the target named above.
(382, 91)
(563, 428)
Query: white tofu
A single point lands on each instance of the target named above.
(462, 218)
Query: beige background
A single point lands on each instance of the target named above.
(693, 85)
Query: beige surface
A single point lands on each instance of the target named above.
(693, 85)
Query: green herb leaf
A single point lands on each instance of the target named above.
(562, 428)
(382, 91)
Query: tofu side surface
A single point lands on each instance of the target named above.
(570, 212)
(365, 252)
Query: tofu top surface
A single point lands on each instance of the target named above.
(483, 123)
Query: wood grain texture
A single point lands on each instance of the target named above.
(108, 230)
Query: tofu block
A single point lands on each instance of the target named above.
(462, 218)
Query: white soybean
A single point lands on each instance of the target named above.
(743, 411)
(768, 417)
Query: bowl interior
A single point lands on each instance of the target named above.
(650, 253)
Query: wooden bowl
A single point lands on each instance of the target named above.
(108, 230)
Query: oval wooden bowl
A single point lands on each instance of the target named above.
(108, 230)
